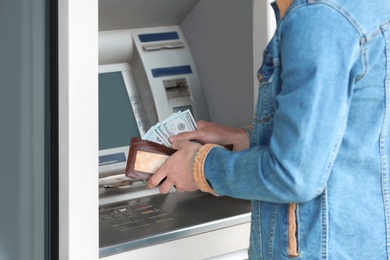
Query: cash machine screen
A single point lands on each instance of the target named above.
(117, 123)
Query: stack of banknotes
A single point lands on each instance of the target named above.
(176, 123)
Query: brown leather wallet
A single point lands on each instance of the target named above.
(146, 157)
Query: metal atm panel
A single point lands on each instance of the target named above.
(149, 66)
(155, 219)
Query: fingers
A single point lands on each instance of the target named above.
(160, 178)
(193, 135)
(201, 124)
(176, 172)
(178, 144)
(156, 179)
(180, 190)
(166, 186)
(186, 136)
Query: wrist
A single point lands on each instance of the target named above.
(241, 138)
(198, 168)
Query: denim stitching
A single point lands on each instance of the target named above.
(334, 6)
(265, 120)
(377, 32)
(324, 236)
(265, 100)
(259, 221)
(367, 38)
(364, 62)
(348, 17)
(256, 212)
(272, 233)
(385, 177)
(267, 112)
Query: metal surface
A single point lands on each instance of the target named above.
(177, 215)
(124, 14)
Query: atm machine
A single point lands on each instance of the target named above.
(146, 73)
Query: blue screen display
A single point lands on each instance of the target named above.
(117, 123)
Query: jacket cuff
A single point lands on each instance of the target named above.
(248, 129)
(198, 168)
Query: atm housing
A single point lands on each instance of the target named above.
(146, 65)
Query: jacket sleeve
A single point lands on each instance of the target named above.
(318, 50)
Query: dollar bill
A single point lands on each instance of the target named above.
(162, 130)
(154, 135)
(179, 123)
(176, 123)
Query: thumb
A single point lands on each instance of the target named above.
(185, 136)
(177, 144)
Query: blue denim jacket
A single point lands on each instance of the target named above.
(318, 168)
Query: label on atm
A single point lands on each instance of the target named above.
(171, 71)
(112, 158)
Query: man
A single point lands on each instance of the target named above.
(316, 160)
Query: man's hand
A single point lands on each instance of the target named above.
(176, 170)
(208, 132)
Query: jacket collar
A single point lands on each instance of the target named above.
(283, 6)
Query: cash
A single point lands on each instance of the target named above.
(176, 123)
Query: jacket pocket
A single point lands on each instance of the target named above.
(264, 114)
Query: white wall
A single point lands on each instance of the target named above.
(78, 129)
(220, 35)
(227, 38)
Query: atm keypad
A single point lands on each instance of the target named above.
(134, 216)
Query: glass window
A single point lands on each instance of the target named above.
(28, 153)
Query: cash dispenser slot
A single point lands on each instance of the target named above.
(176, 88)
(166, 46)
(166, 40)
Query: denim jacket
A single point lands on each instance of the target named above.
(318, 167)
